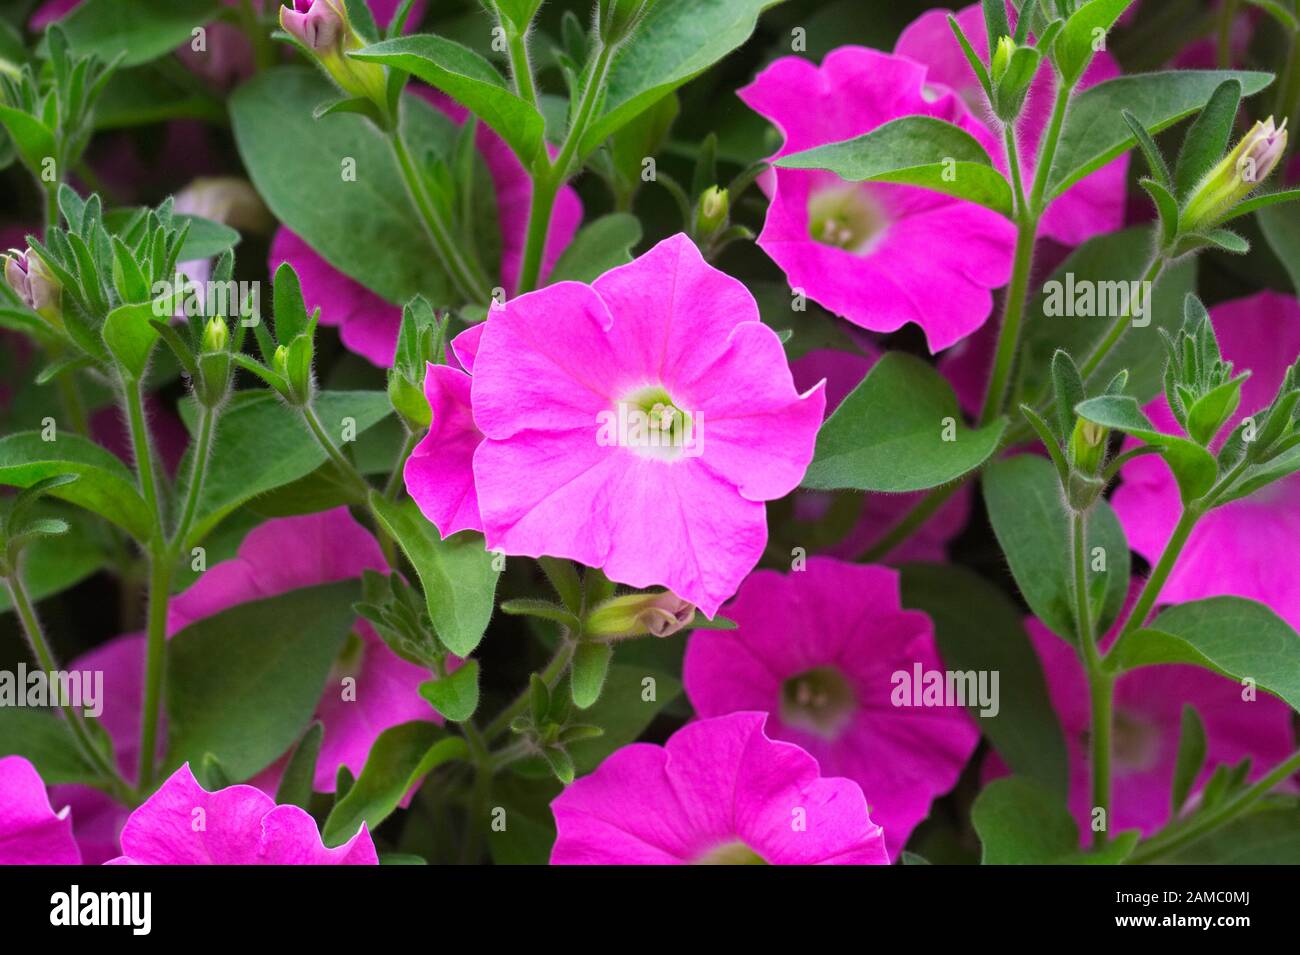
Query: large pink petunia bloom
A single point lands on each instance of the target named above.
(1244, 548)
(1095, 204)
(718, 792)
(367, 323)
(1148, 718)
(184, 824)
(556, 372)
(818, 649)
(31, 832)
(880, 255)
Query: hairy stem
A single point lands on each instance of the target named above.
(551, 676)
(1156, 582)
(160, 581)
(1101, 684)
(202, 451)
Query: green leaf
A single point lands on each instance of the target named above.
(1239, 638)
(243, 683)
(262, 444)
(141, 30)
(623, 711)
(675, 42)
(33, 139)
(470, 80)
(888, 434)
(1095, 131)
(590, 667)
(1281, 228)
(598, 247)
(1031, 523)
(978, 628)
(455, 695)
(130, 337)
(1191, 757)
(519, 12)
(919, 151)
(457, 573)
(366, 229)
(1074, 47)
(295, 787)
(43, 739)
(53, 564)
(1264, 201)
(105, 486)
(1267, 836)
(400, 758)
(1020, 823)
(1208, 138)
(1194, 467)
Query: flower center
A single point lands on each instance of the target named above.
(731, 853)
(819, 701)
(845, 217)
(651, 423)
(1136, 742)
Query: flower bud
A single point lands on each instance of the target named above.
(35, 285)
(712, 212)
(409, 402)
(216, 336)
(1001, 58)
(323, 28)
(1236, 176)
(618, 18)
(660, 614)
(1087, 446)
(280, 362)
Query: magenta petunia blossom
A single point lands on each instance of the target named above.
(1147, 726)
(1092, 206)
(564, 383)
(819, 649)
(184, 824)
(1244, 548)
(442, 464)
(880, 255)
(367, 323)
(718, 792)
(31, 832)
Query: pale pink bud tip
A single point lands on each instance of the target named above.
(314, 23)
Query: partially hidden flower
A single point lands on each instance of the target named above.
(1236, 175)
(35, 285)
(31, 832)
(323, 28)
(879, 254)
(718, 792)
(1092, 206)
(637, 424)
(367, 323)
(184, 824)
(1247, 547)
(820, 649)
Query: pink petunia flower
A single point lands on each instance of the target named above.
(558, 373)
(1243, 548)
(880, 255)
(31, 832)
(184, 824)
(1147, 725)
(819, 649)
(1095, 204)
(367, 323)
(718, 792)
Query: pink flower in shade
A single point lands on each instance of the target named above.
(818, 649)
(367, 323)
(1095, 204)
(31, 832)
(1244, 548)
(241, 826)
(880, 255)
(442, 464)
(1148, 718)
(551, 369)
(843, 371)
(718, 792)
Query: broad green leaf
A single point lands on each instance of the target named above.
(105, 486)
(598, 247)
(530, 831)
(243, 683)
(457, 573)
(978, 628)
(455, 695)
(365, 228)
(1239, 638)
(589, 669)
(146, 95)
(32, 138)
(1075, 44)
(919, 151)
(1281, 227)
(1030, 520)
(43, 739)
(295, 787)
(1095, 131)
(400, 758)
(53, 564)
(470, 80)
(1269, 835)
(262, 444)
(129, 336)
(889, 433)
(677, 40)
(1020, 823)
(1194, 467)
(141, 30)
(1096, 276)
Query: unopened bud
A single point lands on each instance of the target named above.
(1236, 176)
(35, 285)
(409, 402)
(216, 336)
(1087, 446)
(660, 614)
(323, 28)
(618, 18)
(1001, 58)
(713, 210)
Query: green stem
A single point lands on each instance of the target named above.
(477, 810)
(1101, 684)
(1156, 582)
(345, 467)
(51, 207)
(520, 65)
(1203, 825)
(394, 484)
(1013, 161)
(74, 404)
(1288, 89)
(143, 449)
(1223, 45)
(207, 426)
(550, 676)
(1013, 311)
(1122, 323)
(464, 275)
(160, 581)
(1047, 151)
